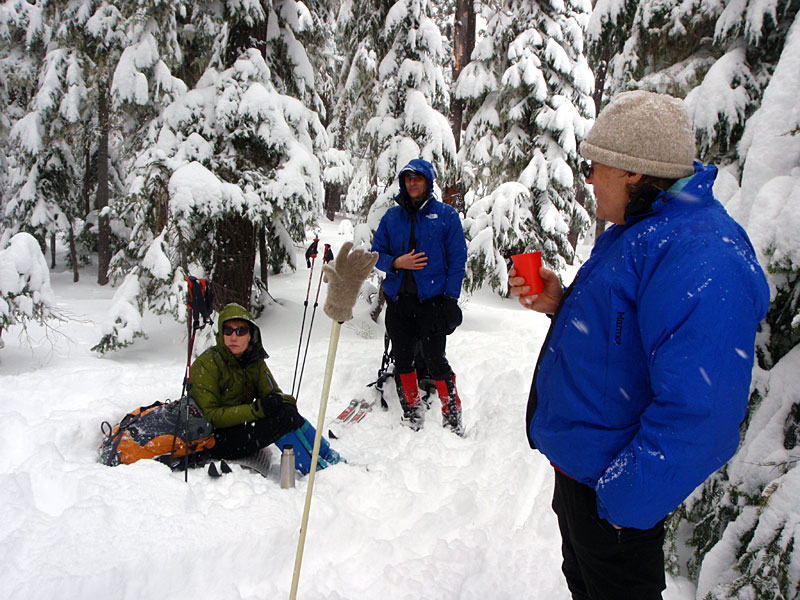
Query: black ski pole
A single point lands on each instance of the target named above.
(199, 302)
(191, 319)
(311, 257)
(326, 258)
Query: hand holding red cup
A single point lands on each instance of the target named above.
(527, 266)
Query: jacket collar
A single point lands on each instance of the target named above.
(695, 189)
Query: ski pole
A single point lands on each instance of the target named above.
(345, 279)
(336, 327)
(199, 302)
(327, 256)
(311, 257)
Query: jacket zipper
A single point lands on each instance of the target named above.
(533, 399)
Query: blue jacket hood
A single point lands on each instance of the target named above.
(416, 165)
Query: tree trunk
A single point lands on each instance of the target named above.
(73, 253)
(101, 201)
(234, 259)
(53, 250)
(333, 202)
(87, 180)
(263, 254)
(463, 44)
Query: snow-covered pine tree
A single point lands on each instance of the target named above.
(57, 143)
(23, 37)
(409, 119)
(718, 56)
(320, 44)
(42, 192)
(528, 99)
(360, 43)
(25, 293)
(492, 223)
(229, 156)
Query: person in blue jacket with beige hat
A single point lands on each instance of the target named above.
(643, 379)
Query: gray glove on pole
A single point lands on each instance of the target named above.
(344, 278)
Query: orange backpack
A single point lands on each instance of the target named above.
(162, 431)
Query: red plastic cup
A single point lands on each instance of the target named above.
(527, 266)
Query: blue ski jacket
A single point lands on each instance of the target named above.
(644, 376)
(438, 233)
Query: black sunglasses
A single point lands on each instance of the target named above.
(586, 169)
(240, 331)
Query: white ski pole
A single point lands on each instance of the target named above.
(344, 279)
(336, 327)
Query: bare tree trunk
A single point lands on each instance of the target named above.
(73, 253)
(234, 258)
(463, 44)
(263, 254)
(87, 180)
(101, 201)
(53, 250)
(333, 202)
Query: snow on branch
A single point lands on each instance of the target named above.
(25, 292)
(123, 323)
(496, 226)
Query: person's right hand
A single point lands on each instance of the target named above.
(413, 261)
(547, 301)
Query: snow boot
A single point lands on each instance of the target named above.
(408, 392)
(451, 405)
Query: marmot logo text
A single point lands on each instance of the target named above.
(618, 330)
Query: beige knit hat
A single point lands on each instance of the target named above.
(643, 132)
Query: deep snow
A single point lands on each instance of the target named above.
(414, 515)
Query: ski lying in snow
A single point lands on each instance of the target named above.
(353, 413)
(349, 411)
(363, 408)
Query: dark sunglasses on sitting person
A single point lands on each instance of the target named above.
(587, 169)
(240, 331)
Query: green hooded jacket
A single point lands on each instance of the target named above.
(224, 387)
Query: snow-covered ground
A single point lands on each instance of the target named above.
(422, 515)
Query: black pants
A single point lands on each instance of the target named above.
(248, 438)
(601, 562)
(408, 321)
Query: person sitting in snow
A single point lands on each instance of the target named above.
(422, 250)
(237, 393)
(644, 376)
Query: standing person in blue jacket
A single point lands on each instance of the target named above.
(644, 376)
(422, 249)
